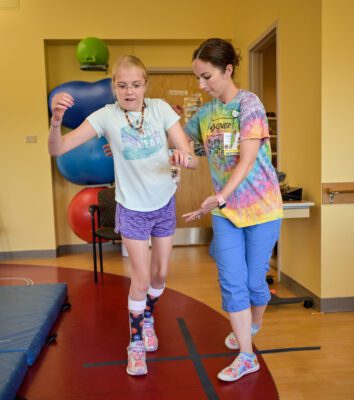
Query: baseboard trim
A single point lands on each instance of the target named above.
(53, 253)
(13, 255)
(85, 248)
(182, 237)
(337, 304)
(192, 236)
(326, 305)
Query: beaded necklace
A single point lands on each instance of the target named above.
(138, 126)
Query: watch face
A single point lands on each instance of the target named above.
(222, 205)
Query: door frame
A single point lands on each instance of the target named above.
(255, 53)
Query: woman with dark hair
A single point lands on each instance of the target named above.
(247, 206)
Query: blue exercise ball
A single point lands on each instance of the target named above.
(88, 96)
(87, 164)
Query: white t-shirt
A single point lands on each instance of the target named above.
(141, 168)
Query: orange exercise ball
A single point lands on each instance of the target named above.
(79, 217)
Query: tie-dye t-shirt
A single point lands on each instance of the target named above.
(141, 161)
(219, 128)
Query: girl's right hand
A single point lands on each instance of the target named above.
(178, 109)
(107, 150)
(60, 103)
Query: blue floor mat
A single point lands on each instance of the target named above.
(13, 368)
(27, 314)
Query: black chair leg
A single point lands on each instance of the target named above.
(94, 259)
(100, 253)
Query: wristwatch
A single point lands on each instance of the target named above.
(221, 201)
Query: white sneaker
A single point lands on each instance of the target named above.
(231, 341)
(136, 359)
(240, 367)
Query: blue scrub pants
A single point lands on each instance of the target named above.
(242, 256)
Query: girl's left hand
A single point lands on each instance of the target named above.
(180, 157)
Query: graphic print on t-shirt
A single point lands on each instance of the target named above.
(223, 136)
(137, 146)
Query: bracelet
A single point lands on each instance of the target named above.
(55, 125)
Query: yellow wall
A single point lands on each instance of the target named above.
(337, 145)
(62, 66)
(26, 199)
(309, 32)
(299, 130)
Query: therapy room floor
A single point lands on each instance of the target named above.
(285, 342)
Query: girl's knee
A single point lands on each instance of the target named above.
(141, 287)
(159, 279)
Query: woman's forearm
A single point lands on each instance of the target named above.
(248, 154)
(237, 176)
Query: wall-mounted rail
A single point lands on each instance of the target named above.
(338, 193)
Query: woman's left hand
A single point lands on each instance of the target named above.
(208, 204)
(193, 215)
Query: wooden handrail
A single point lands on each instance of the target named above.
(338, 192)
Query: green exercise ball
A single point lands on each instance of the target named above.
(92, 54)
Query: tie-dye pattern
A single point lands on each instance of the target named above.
(257, 199)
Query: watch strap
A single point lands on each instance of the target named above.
(221, 200)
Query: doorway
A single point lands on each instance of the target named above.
(263, 82)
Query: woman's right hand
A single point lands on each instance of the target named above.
(60, 103)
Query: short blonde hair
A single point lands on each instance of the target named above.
(129, 61)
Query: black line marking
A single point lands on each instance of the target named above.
(182, 358)
(122, 362)
(270, 351)
(288, 349)
(196, 359)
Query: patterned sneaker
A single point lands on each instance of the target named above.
(149, 336)
(136, 358)
(242, 365)
(231, 341)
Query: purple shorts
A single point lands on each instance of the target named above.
(140, 225)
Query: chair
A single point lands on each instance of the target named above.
(105, 210)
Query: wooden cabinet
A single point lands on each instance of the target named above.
(182, 89)
(272, 121)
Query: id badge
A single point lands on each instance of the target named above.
(231, 143)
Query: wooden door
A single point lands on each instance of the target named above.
(195, 185)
